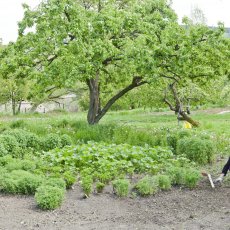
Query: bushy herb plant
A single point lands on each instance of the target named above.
(87, 185)
(197, 149)
(99, 187)
(164, 182)
(121, 187)
(192, 177)
(49, 197)
(147, 186)
(51, 141)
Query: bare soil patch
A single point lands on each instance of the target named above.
(202, 208)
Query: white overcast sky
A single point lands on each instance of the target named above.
(215, 10)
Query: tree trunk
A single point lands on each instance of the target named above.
(95, 112)
(185, 117)
(94, 100)
(13, 103)
(34, 107)
(178, 108)
(19, 106)
(13, 106)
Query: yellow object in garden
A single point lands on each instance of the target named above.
(187, 125)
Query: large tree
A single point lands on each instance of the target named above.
(105, 44)
(15, 70)
(189, 57)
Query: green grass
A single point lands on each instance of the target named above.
(137, 119)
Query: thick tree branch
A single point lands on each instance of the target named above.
(108, 60)
(169, 77)
(167, 101)
(137, 81)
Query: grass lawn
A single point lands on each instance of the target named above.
(138, 119)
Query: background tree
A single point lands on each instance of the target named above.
(14, 76)
(102, 43)
(198, 16)
(190, 55)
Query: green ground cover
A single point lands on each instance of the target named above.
(139, 152)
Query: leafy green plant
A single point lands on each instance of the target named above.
(121, 187)
(20, 182)
(70, 178)
(197, 149)
(55, 182)
(172, 139)
(15, 164)
(51, 141)
(164, 182)
(33, 141)
(147, 186)
(184, 133)
(29, 184)
(10, 144)
(3, 151)
(177, 175)
(105, 177)
(192, 177)
(17, 124)
(20, 136)
(99, 187)
(28, 165)
(104, 162)
(66, 140)
(49, 197)
(87, 185)
(5, 160)
(63, 123)
(9, 185)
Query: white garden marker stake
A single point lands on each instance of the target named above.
(209, 177)
(211, 182)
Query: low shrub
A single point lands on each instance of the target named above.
(99, 187)
(9, 185)
(192, 177)
(20, 135)
(174, 136)
(17, 124)
(97, 133)
(177, 175)
(20, 182)
(147, 186)
(50, 141)
(184, 133)
(172, 139)
(87, 185)
(55, 182)
(66, 140)
(33, 141)
(3, 151)
(121, 187)
(135, 137)
(105, 177)
(5, 160)
(15, 164)
(10, 144)
(196, 149)
(2, 171)
(70, 178)
(24, 138)
(49, 197)
(164, 182)
(29, 184)
(28, 165)
(62, 124)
